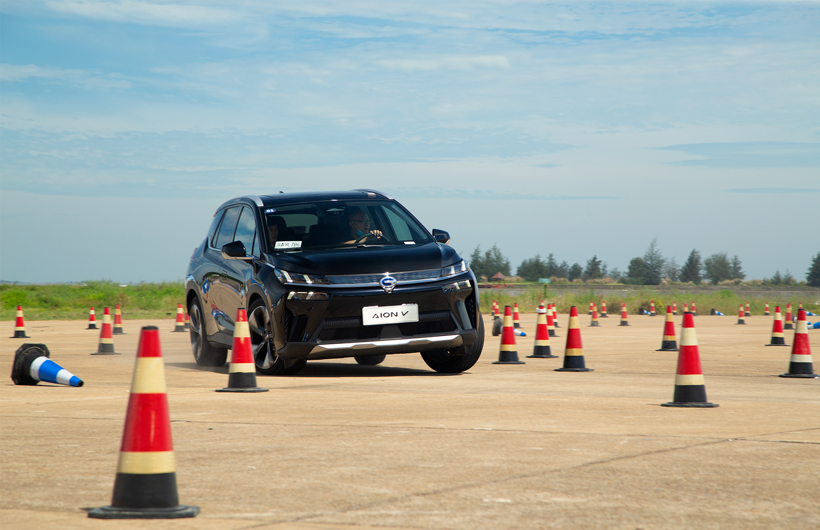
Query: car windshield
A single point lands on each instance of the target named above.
(341, 224)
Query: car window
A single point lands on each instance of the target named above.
(214, 225)
(256, 251)
(226, 229)
(332, 224)
(246, 229)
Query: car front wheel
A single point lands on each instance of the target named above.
(445, 362)
(264, 350)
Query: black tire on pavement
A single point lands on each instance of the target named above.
(205, 354)
(264, 350)
(444, 362)
(370, 360)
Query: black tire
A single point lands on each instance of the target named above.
(497, 326)
(370, 360)
(264, 350)
(443, 361)
(205, 354)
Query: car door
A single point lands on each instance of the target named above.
(236, 273)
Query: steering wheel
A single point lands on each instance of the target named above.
(364, 237)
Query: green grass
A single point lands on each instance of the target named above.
(159, 300)
(725, 301)
(72, 301)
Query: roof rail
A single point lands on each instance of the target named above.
(374, 192)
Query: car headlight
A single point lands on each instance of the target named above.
(298, 277)
(452, 270)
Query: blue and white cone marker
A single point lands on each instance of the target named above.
(32, 365)
(519, 333)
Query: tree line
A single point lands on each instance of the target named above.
(650, 269)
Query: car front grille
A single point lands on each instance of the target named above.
(373, 279)
(351, 328)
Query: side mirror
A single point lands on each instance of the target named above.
(441, 236)
(235, 250)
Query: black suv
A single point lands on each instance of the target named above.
(330, 275)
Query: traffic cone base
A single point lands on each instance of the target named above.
(32, 365)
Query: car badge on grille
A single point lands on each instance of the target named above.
(388, 283)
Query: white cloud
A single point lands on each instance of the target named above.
(15, 73)
(151, 13)
(458, 62)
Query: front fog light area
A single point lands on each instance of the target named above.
(305, 296)
(456, 286)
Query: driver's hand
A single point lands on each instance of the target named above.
(377, 233)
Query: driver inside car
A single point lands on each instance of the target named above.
(359, 223)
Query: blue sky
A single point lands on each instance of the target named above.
(576, 128)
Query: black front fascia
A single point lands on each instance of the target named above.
(303, 324)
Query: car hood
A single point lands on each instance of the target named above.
(367, 260)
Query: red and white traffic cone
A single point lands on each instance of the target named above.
(509, 352)
(740, 319)
(675, 308)
(694, 310)
(92, 319)
(593, 323)
(789, 322)
(19, 325)
(106, 346)
(179, 326)
(603, 309)
(550, 322)
(146, 483)
(778, 338)
(574, 351)
(516, 320)
(542, 349)
(242, 373)
(690, 388)
(685, 308)
(624, 316)
(800, 363)
(187, 321)
(652, 312)
(766, 311)
(555, 316)
(669, 342)
(591, 307)
(747, 313)
(118, 321)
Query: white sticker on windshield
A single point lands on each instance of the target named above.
(284, 245)
(409, 242)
